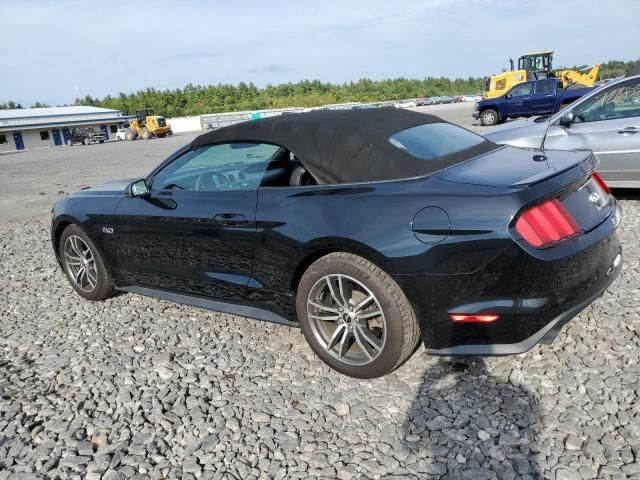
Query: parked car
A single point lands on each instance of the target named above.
(121, 133)
(405, 104)
(446, 99)
(606, 120)
(386, 226)
(471, 97)
(84, 136)
(539, 97)
(421, 102)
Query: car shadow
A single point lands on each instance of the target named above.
(467, 423)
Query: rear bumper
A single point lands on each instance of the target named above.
(533, 297)
(545, 335)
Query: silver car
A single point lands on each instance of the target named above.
(606, 121)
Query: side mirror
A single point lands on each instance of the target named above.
(139, 188)
(508, 95)
(567, 118)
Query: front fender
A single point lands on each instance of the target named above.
(95, 216)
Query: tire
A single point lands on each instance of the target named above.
(130, 134)
(71, 249)
(86, 141)
(395, 330)
(101, 141)
(145, 134)
(489, 117)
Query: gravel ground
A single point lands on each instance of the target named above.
(135, 387)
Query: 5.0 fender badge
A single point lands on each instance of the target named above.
(107, 229)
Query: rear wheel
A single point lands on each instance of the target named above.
(355, 317)
(489, 117)
(84, 265)
(145, 134)
(86, 141)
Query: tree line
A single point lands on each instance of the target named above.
(11, 105)
(197, 100)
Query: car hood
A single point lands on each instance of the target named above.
(110, 187)
(521, 133)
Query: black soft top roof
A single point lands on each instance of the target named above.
(345, 146)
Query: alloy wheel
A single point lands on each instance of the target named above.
(346, 319)
(80, 263)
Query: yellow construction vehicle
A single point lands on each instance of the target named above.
(146, 125)
(537, 66)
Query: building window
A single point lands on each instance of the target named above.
(3, 139)
(113, 128)
(44, 135)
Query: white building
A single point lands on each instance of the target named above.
(48, 127)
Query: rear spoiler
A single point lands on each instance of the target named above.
(587, 165)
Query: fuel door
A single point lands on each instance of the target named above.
(431, 225)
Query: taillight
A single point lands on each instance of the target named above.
(546, 224)
(600, 182)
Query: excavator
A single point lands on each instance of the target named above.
(537, 66)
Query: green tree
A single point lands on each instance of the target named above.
(197, 99)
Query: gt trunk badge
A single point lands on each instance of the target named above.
(107, 229)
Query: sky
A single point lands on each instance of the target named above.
(56, 51)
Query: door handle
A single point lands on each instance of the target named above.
(628, 131)
(232, 219)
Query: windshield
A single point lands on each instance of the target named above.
(579, 101)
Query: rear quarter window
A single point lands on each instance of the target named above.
(434, 140)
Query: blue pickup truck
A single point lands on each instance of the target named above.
(539, 97)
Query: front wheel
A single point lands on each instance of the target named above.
(355, 317)
(130, 134)
(84, 265)
(86, 141)
(489, 117)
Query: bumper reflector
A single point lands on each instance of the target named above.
(473, 317)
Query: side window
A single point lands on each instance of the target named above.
(226, 166)
(544, 87)
(521, 90)
(620, 101)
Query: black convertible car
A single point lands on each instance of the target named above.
(369, 229)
